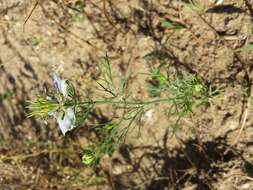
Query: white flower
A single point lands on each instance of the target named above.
(67, 122)
(60, 85)
(64, 116)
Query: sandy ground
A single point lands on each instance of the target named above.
(70, 37)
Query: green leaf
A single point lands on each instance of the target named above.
(170, 25)
(71, 89)
(196, 6)
(246, 48)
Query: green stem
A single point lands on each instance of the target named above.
(125, 102)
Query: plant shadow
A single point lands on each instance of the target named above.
(228, 9)
(195, 165)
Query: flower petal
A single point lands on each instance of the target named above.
(70, 114)
(219, 2)
(60, 85)
(67, 123)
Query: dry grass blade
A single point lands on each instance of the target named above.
(30, 14)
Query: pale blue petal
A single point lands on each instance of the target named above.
(67, 123)
(70, 114)
(64, 124)
(60, 85)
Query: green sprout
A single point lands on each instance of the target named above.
(196, 6)
(4, 96)
(36, 40)
(78, 18)
(246, 48)
(78, 7)
(169, 25)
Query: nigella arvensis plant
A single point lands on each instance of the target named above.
(182, 93)
(59, 105)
